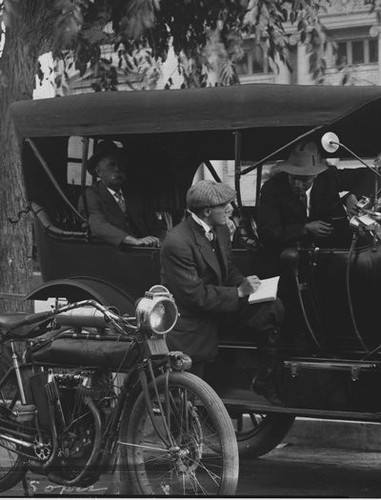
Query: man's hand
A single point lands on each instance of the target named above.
(249, 285)
(147, 241)
(318, 228)
(351, 205)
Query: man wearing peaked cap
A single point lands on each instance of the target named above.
(113, 216)
(301, 203)
(208, 193)
(210, 292)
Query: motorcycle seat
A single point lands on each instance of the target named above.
(11, 321)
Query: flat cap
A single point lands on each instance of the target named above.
(209, 193)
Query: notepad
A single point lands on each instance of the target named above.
(266, 292)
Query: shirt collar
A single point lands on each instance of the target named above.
(308, 195)
(113, 192)
(200, 222)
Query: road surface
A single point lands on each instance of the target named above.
(289, 471)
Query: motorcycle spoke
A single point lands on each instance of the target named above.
(215, 477)
(147, 447)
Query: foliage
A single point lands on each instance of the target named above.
(204, 34)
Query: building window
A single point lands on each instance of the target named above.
(253, 62)
(358, 52)
(373, 50)
(341, 57)
(362, 51)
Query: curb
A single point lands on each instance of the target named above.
(349, 435)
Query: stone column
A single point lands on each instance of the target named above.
(302, 65)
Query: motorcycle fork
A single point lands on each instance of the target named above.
(165, 415)
(110, 443)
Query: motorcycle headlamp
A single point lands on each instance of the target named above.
(156, 311)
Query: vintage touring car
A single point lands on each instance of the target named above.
(168, 135)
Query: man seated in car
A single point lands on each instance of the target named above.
(301, 203)
(210, 292)
(114, 215)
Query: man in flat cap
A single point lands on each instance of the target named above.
(301, 203)
(113, 216)
(210, 292)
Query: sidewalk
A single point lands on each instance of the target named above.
(358, 436)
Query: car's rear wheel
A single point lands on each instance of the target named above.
(258, 433)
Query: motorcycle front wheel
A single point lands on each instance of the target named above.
(190, 449)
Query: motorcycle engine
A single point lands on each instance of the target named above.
(64, 400)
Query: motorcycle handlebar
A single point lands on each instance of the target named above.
(12, 324)
(98, 316)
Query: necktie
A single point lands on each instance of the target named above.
(303, 200)
(120, 200)
(212, 237)
(209, 236)
(131, 227)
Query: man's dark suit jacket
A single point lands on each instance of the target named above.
(281, 216)
(201, 288)
(108, 222)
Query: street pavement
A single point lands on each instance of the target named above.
(289, 471)
(292, 471)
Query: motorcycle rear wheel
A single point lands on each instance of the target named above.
(12, 467)
(202, 458)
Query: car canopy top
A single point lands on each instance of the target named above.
(269, 116)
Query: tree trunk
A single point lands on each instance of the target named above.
(24, 42)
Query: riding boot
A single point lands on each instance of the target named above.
(264, 383)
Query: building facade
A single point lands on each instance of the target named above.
(356, 33)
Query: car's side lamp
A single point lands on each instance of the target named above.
(330, 142)
(156, 311)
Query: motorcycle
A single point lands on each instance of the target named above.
(90, 387)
